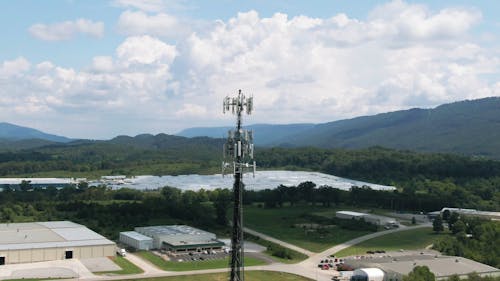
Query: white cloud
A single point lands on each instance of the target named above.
(139, 23)
(14, 67)
(299, 69)
(66, 30)
(151, 5)
(145, 50)
(191, 110)
(102, 64)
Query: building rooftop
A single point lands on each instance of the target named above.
(32, 235)
(47, 181)
(172, 230)
(440, 265)
(351, 213)
(136, 235)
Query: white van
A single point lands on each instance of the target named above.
(121, 252)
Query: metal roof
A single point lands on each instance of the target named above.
(172, 230)
(440, 265)
(371, 272)
(351, 213)
(38, 180)
(136, 236)
(47, 235)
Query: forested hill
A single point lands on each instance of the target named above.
(265, 134)
(144, 154)
(11, 132)
(466, 127)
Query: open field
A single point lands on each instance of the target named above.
(249, 276)
(408, 240)
(276, 251)
(127, 267)
(281, 223)
(192, 265)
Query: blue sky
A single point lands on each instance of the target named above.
(96, 69)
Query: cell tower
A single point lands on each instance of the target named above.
(238, 156)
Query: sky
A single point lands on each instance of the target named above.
(97, 69)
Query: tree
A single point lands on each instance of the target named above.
(25, 185)
(446, 215)
(452, 219)
(437, 224)
(420, 273)
(222, 202)
(83, 185)
(458, 227)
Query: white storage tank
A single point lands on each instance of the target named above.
(368, 274)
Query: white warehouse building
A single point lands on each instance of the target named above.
(375, 219)
(368, 274)
(173, 238)
(53, 240)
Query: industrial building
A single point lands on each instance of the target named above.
(395, 266)
(39, 182)
(173, 238)
(136, 240)
(467, 212)
(47, 241)
(375, 219)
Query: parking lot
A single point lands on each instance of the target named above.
(197, 256)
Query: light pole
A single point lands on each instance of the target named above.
(238, 156)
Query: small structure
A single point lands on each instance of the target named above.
(180, 238)
(368, 274)
(53, 240)
(136, 240)
(374, 219)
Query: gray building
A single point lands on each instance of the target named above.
(180, 238)
(136, 240)
(46, 241)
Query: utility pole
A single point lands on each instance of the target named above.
(238, 156)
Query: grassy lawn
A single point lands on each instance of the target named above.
(408, 240)
(273, 248)
(127, 267)
(249, 276)
(192, 265)
(280, 223)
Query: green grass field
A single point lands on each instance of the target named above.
(127, 267)
(408, 240)
(294, 257)
(249, 276)
(280, 223)
(192, 265)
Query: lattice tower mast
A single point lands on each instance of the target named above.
(238, 156)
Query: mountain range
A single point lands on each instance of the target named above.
(470, 127)
(14, 132)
